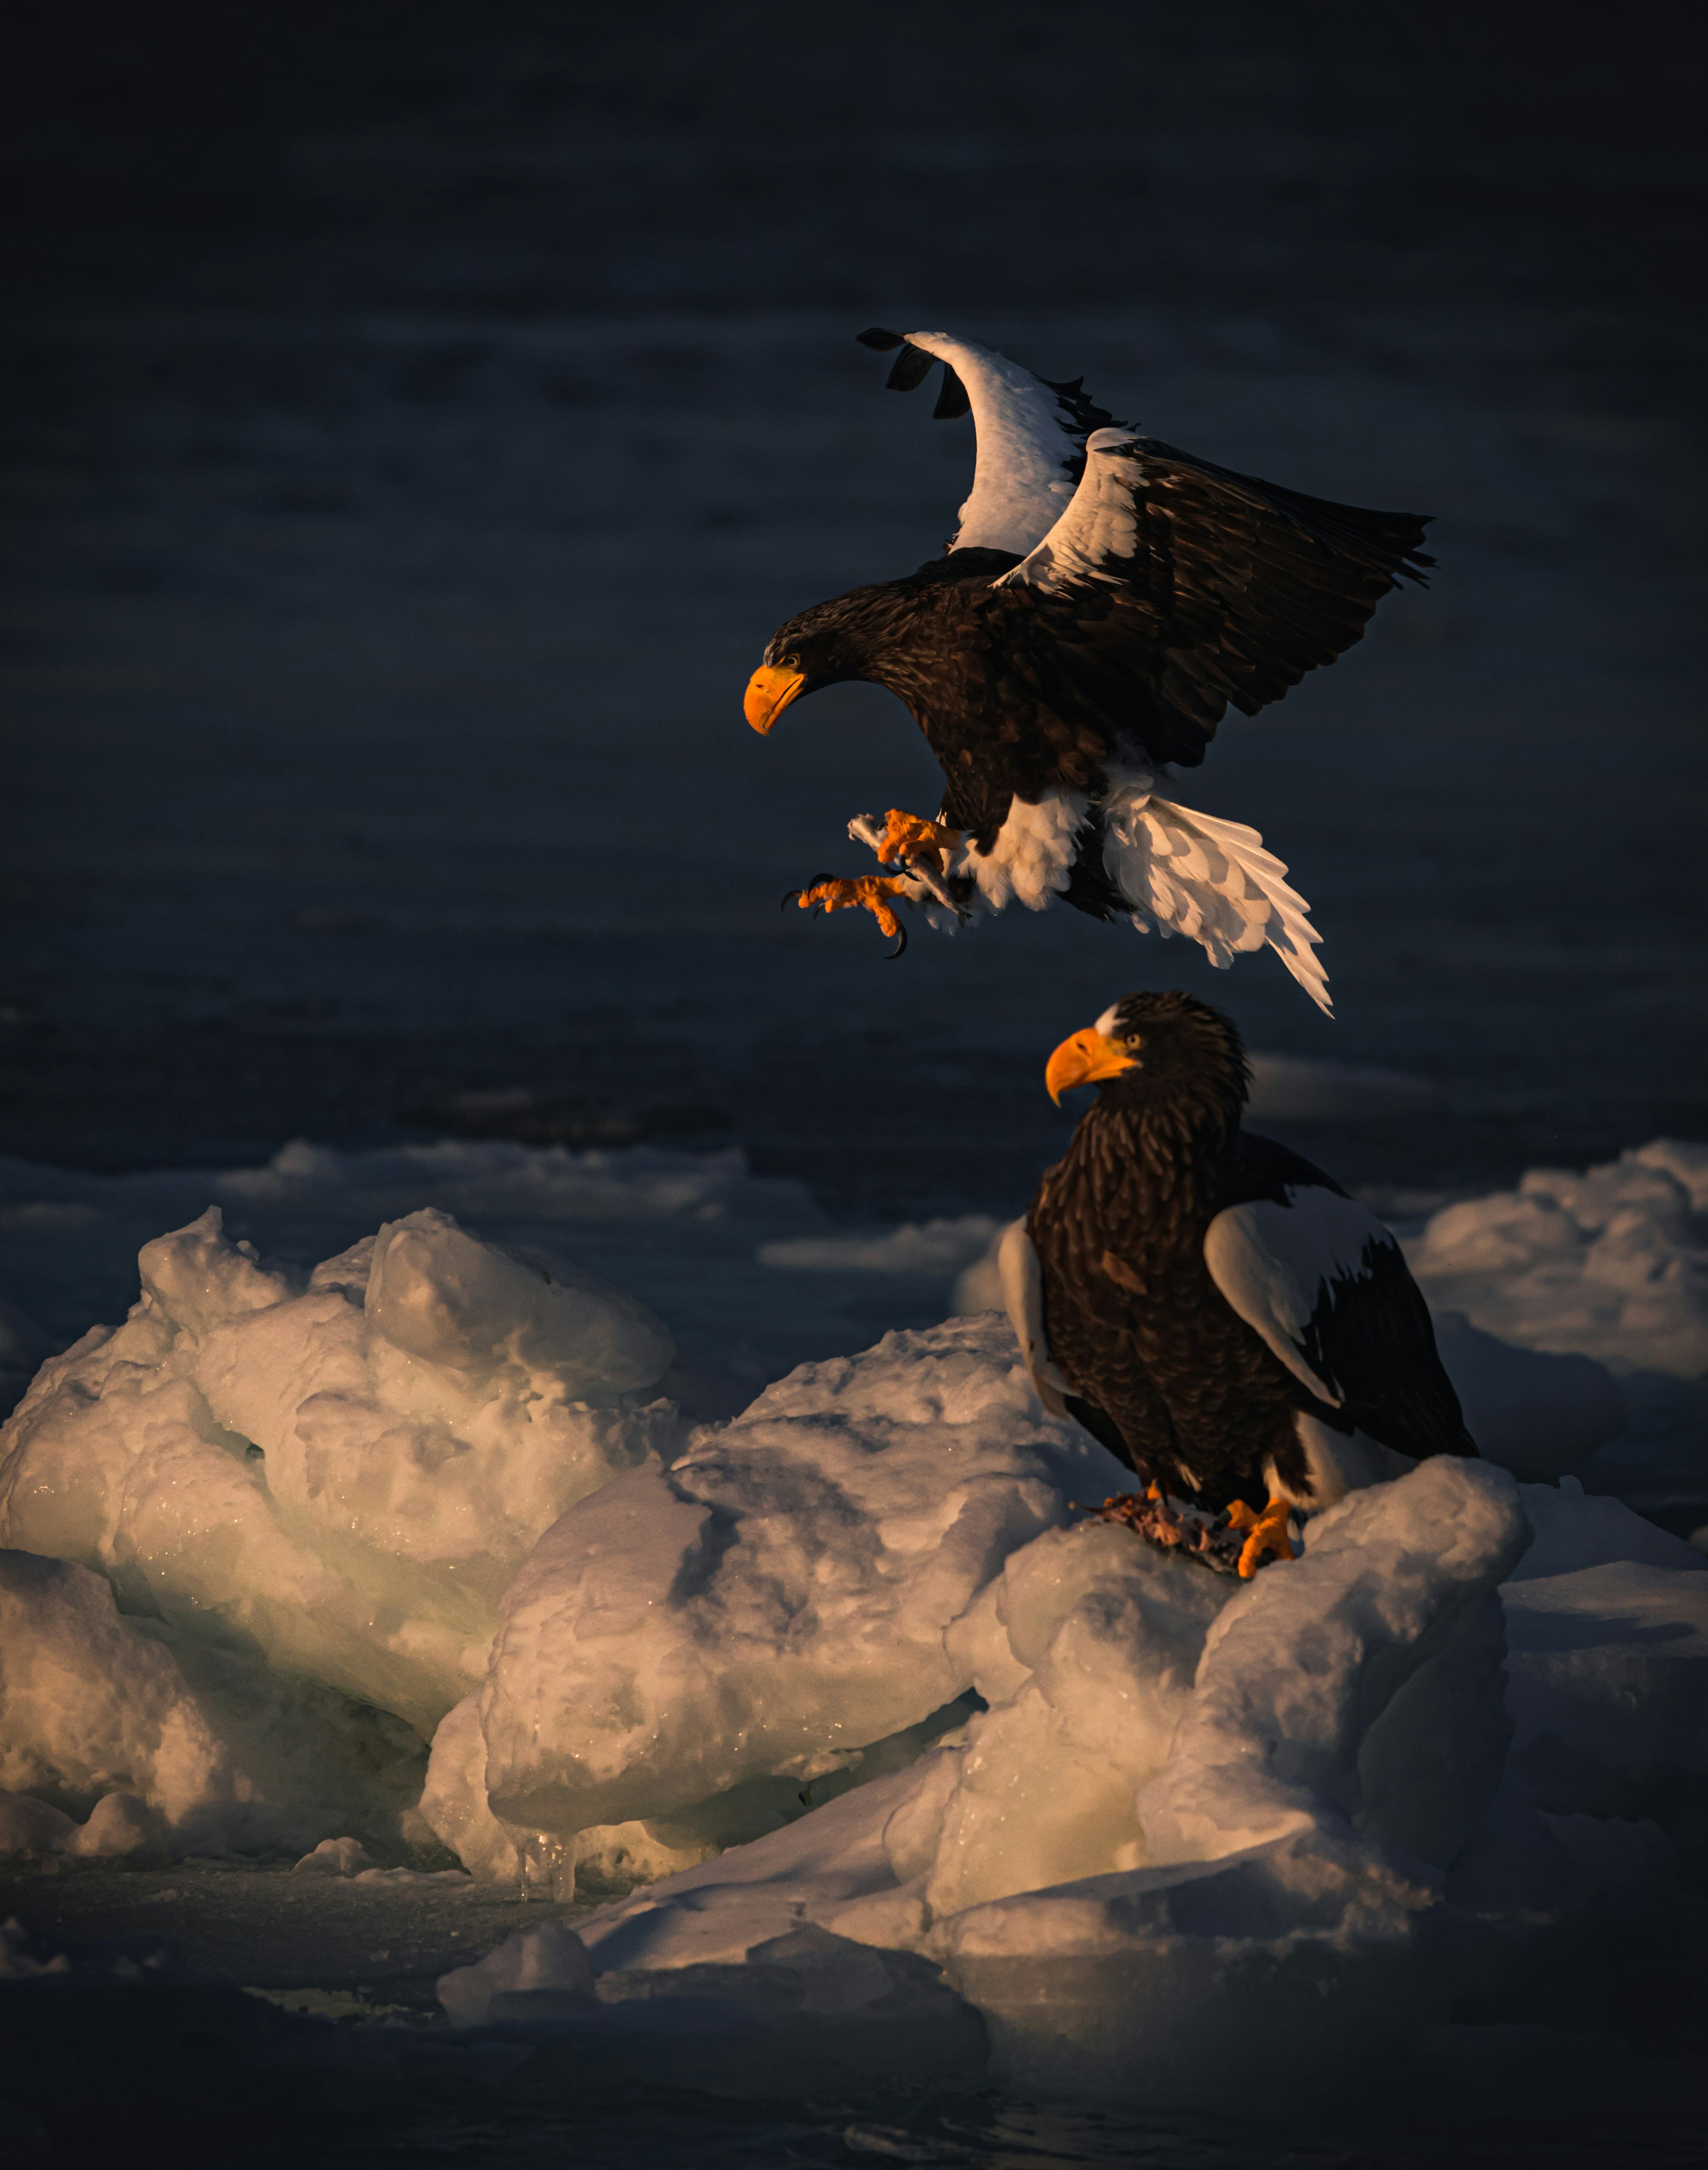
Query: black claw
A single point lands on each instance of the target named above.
(878, 337)
(901, 945)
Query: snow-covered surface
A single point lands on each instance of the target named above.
(1611, 1263)
(895, 1757)
(336, 1474)
(762, 1613)
(1201, 1840)
(151, 1737)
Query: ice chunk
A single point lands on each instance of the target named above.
(94, 1706)
(550, 1958)
(1607, 1264)
(1109, 1632)
(1536, 1415)
(27, 1826)
(335, 1856)
(1320, 1811)
(760, 1613)
(260, 1465)
(1572, 1529)
(443, 1296)
(1608, 1670)
(17, 1962)
(937, 1248)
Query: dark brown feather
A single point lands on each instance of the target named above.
(1183, 1390)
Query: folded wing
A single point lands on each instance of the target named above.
(1327, 1289)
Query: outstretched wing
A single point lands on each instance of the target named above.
(1202, 587)
(1032, 435)
(1325, 1286)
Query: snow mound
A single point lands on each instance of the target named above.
(334, 1476)
(1212, 1841)
(693, 1646)
(162, 1743)
(491, 1179)
(1611, 1264)
(936, 1248)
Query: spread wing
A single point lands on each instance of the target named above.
(1327, 1289)
(1201, 587)
(1031, 434)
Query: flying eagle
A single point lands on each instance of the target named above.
(1104, 599)
(1213, 1309)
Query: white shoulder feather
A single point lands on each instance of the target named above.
(1279, 1265)
(1022, 1292)
(1099, 522)
(1029, 446)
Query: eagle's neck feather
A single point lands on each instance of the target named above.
(1156, 1168)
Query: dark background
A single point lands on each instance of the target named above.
(418, 416)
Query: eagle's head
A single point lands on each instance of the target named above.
(1152, 1051)
(822, 646)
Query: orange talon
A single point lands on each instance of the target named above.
(869, 893)
(906, 836)
(1265, 1533)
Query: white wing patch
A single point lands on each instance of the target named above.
(1191, 873)
(1022, 1292)
(1276, 1264)
(1027, 442)
(1098, 524)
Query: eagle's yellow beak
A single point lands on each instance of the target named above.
(769, 693)
(1085, 1060)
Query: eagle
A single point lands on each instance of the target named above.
(1104, 600)
(1215, 1310)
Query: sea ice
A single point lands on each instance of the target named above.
(334, 1475)
(908, 1769)
(1297, 1834)
(1611, 1263)
(695, 1645)
(157, 1739)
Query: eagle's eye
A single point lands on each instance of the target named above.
(792, 663)
(1133, 1039)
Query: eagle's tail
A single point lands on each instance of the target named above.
(1186, 873)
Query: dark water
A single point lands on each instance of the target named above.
(417, 417)
(420, 419)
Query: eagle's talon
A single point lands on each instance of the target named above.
(870, 893)
(1265, 1533)
(907, 838)
(803, 895)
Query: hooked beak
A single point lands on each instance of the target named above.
(769, 693)
(1087, 1059)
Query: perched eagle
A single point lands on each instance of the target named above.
(1213, 1309)
(1104, 600)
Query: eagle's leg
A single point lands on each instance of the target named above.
(870, 893)
(908, 837)
(1265, 1533)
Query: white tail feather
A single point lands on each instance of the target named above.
(1191, 873)
(1182, 872)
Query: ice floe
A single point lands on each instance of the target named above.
(901, 1765)
(336, 1475)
